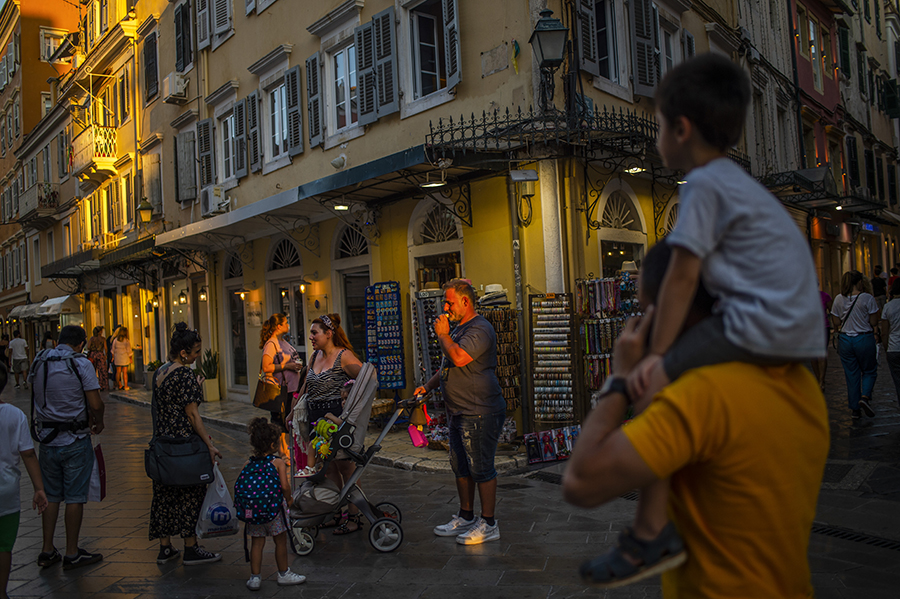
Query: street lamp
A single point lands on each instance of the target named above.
(145, 211)
(548, 42)
(182, 298)
(202, 295)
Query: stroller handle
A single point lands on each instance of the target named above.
(412, 403)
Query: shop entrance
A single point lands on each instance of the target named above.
(291, 297)
(237, 340)
(354, 316)
(614, 253)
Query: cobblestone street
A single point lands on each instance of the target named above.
(854, 550)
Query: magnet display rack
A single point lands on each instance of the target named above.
(384, 334)
(554, 367)
(602, 307)
(506, 324)
(428, 306)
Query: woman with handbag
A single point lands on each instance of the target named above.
(280, 362)
(122, 357)
(96, 348)
(855, 316)
(177, 396)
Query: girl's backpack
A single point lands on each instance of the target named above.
(257, 492)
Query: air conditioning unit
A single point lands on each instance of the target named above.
(174, 89)
(744, 33)
(211, 200)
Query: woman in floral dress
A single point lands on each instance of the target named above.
(97, 355)
(177, 393)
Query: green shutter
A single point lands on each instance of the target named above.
(844, 50)
(891, 99)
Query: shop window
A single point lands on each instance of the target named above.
(284, 256)
(353, 243)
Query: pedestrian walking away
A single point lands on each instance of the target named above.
(177, 395)
(476, 411)
(15, 443)
(890, 334)
(266, 471)
(97, 355)
(855, 316)
(48, 342)
(743, 502)
(18, 355)
(123, 356)
(66, 411)
(879, 286)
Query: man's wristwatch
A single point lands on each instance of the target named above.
(615, 384)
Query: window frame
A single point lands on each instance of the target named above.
(47, 34)
(123, 109)
(803, 30)
(415, 43)
(278, 88)
(815, 54)
(221, 172)
(331, 63)
(36, 258)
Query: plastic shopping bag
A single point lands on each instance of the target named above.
(217, 516)
(97, 488)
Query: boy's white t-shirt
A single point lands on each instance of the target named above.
(14, 439)
(755, 260)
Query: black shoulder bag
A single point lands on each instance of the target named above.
(173, 461)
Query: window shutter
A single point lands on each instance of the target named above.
(643, 47)
(187, 172)
(879, 177)
(16, 44)
(689, 45)
(870, 170)
(892, 183)
(294, 112)
(240, 139)
(221, 16)
(365, 73)
(152, 183)
(891, 99)
(452, 50)
(205, 152)
(179, 39)
(11, 58)
(587, 34)
(313, 102)
(844, 50)
(386, 62)
(249, 5)
(253, 147)
(3, 72)
(151, 81)
(202, 24)
(853, 161)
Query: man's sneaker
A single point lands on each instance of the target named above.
(198, 555)
(167, 554)
(455, 527)
(82, 559)
(866, 408)
(480, 533)
(48, 559)
(254, 583)
(290, 578)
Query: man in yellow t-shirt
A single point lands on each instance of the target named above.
(745, 447)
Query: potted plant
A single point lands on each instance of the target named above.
(150, 368)
(209, 370)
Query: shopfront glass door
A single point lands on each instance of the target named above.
(293, 306)
(354, 316)
(238, 339)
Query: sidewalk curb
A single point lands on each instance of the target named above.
(237, 426)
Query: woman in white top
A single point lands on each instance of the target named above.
(890, 323)
(122, 357)
(855, 316)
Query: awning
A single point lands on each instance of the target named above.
(24, 312)
(67, 304)
(139, 250)
(893, 215)
(17, 311)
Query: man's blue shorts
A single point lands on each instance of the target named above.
(473, 445)
(67, 471)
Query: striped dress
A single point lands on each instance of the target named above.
(324, 389)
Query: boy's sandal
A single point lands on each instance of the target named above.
(344, 529)
(336, 520)
(613, 569)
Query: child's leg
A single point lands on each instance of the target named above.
(651, 517)
(5, 567)
(256, 551)
(281, 557)
(9, 530)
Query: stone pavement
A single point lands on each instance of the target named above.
(543, 539)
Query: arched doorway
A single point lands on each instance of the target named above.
(622, 234)
(351, 274)
(435, 246)
(287, 289)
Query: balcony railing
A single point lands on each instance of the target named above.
(38, 204)
(97, 142)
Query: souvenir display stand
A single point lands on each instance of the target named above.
(428, 305)
(506, 324)
(384, 334)
(554, 367)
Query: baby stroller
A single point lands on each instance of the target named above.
(319, 499)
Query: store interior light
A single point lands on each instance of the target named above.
(682, 182)
(428, 184)
(203, 295)
(182, 298)
(838, 207)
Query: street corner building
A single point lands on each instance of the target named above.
(217, 161)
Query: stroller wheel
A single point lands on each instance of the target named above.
(385, 534)
(388, 510)
(304, 540)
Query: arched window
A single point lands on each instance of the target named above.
(235, 268)
(352, 244)
(672, 218)
(619, 213)
(284, 256)
(438, 226)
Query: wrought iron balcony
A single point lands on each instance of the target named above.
(38, 204)
(94, 156)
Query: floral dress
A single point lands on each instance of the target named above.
(175, 510)
(97, 356)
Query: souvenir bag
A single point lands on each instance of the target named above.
(97, 487)
(218, 517)
(257, 492)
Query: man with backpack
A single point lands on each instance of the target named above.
(66, 410)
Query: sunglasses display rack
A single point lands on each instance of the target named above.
(384, 334)
(506, 324)
(602, 307)
(428, 306)
(554, 367)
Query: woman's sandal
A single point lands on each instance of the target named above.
(344, 529)
(336, 520)
(613, 569)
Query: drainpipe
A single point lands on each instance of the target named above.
(796, 84)
(520, 302)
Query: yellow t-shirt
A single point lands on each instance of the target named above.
(746, 448)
